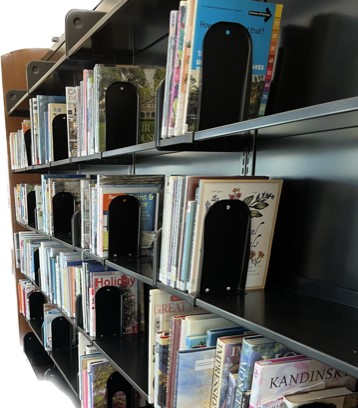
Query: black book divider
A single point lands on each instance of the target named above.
(226, 248)
(116, 385)
(35, 352)
(63, 208)
(124, 215)
(31, 209)
(122, 115)
(79, 311)
(61, 333)
(224, 89)
(37, 266)
(225, 76)
(36, 302)
(27, 138)
(109, 312)
(59, 137)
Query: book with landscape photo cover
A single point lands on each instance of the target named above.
(146, 81)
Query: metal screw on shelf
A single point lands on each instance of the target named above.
(207, 290)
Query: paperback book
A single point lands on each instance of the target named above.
(262, 21)
(146, 81)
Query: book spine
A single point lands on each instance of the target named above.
(177, 67)
(218, 369)
(173, 21)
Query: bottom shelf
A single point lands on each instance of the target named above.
(45, 368)
(129, 355)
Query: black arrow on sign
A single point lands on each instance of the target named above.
(266, 14)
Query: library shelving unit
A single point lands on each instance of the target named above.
(308, 137)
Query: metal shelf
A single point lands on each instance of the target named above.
(317, 328)
(129, 355)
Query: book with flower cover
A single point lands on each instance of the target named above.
(262, 21)
(146, 81)
(274, 378)
(262, 197)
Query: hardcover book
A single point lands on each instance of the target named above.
(146, 81)
(129, 286)
(72, 117)
(162, 306)
(262, 198)
(227, 357)
(276, 377)
(194, 377)
(334, 396)
(255, 348)
(262, 21)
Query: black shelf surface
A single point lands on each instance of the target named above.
(328, 116)
(129, 355)
(66, 361)
(321, 329)
(140, 268)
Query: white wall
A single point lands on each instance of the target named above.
(23, 24)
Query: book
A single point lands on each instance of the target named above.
(262, 21)
(177, 67)
(162, 344)
(212, 335)
(194, 377)
(200, 324)
(162, 306)
(43, 144)
(53, 109)
(72, 117)
(274, 378)
(100, 276)
(231, 390)
(100, 372)
(169, 71)
(255, 348)
(227, 357)
(146, 189)
(334, 396)
(146, 81)
(262, 197)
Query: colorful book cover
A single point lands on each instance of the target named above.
(212, 335)
(72, 125)
(262, 21)
(101, 371)
(146, 80)
(262, 198)
(162, 344)
(194, 377)
(43, 138)
(231, 390)
(276, 377)
(129, 288)
(227, 359)
(255, 348)
(162, 306)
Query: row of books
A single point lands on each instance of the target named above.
(199, 359)
(187, 200)
(83, 110)
(72, 283)
(188, 27)
(92, 197)
(100, 384)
